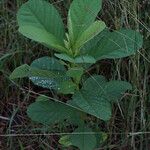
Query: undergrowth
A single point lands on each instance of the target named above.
(130, 124)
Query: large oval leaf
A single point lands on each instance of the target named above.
(48, 73)
(48, 112)
(117, 44)
(91, 101)
(29, 71)
(97, 94)
(48, 64)
(82, 14)
(93, 104)
(37, 16)
(42, 36)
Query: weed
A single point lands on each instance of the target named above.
(129, 124)
(86, 42)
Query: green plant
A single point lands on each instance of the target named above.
(86, 41)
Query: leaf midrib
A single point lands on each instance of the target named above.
(34, 14)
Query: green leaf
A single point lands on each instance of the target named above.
(67, 87)
(65, 57)
(120, 88)
(48, 112)
(75, 73)
(101, 138)
(81, 139)
(93, 104)
(48, 73)
(117, 44)
(44, 80)
(91, 100)
(106, 89)
(93, 30)
(48, 63)
(78, 120)
(20, 72)
(42, 98)
(96, 81)
(79, 59)
(65, 141)
(98, 102)
(85, 59)
(41, 36)
(39, 20)
(82, 14)
(28, 71)
(93, 43)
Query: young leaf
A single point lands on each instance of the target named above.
(65, 141)
(81, 139)
(85, 59)
(75, 73)
(79, 59)
(48, 112)
(65, 57)
(93, 30)
(41, 19)
(101, 138)
(82, 14)
(117, 44)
